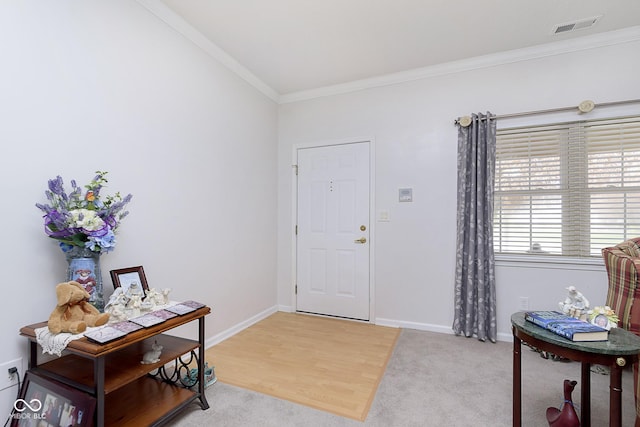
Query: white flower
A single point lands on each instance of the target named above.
(87, 219)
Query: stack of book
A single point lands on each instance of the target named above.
(567, 326)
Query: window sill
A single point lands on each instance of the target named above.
(561, 263)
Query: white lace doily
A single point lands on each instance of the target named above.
(54, 343)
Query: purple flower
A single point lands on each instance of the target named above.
(83, 220)
(56, 224)
(56, 186)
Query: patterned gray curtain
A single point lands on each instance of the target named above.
(475, 290)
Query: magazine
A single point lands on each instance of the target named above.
(185, 307)
(104, 334)
(147, 320)
(194, 304)
(164, 314)
(126, 326)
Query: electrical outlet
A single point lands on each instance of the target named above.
(9, 380)
(524, 303)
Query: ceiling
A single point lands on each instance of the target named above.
(300, 45)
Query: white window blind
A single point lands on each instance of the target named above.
(567, 189)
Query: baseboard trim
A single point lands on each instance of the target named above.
(430, 328)
(228, 333)
(393, 323)
(286, 308)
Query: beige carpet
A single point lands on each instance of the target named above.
(329, 364)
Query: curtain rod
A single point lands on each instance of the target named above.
(583, 107)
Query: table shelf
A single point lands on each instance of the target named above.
(118, 365)
(144, 402)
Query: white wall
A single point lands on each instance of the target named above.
(88, 86)
(412, 124)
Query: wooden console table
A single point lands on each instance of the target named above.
(127, 392)
(620, 350)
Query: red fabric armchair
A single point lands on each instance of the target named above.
(623, 268)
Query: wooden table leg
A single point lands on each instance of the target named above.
(33, 354)
(615, 396)
(99, 367)
(517, 382)
(585, 395)
(201, 363)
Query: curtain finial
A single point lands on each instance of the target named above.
(464, 121)
(586, 106)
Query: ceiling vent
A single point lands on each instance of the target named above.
(576, 25)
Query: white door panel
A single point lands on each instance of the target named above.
(333, 214)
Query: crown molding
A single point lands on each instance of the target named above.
(173, 20)
(595, 41)
(169, 17)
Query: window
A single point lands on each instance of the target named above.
(567, 189)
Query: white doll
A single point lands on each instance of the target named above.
(134, 305)
(155, 297)
(117, 298)
(576, 304)
(116, 313)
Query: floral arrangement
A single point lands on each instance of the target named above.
(83, 219)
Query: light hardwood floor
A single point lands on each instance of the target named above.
(330, 364)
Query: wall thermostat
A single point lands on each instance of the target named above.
(405, 194)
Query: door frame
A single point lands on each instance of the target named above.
(294, 214)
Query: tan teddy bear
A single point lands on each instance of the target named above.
(74, 313)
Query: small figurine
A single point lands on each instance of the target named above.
(153, 355)
(146, 306)
(134, 305)
(117, 313)
(604, 317)
(117, 298)
(191, 378)
(575, 305)
(566, 416)
(135, 290)
(155, 297)
(165, 294)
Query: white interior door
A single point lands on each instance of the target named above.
(333, 230)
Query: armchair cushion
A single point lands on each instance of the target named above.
(623, 266)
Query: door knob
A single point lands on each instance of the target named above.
(361, 240)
